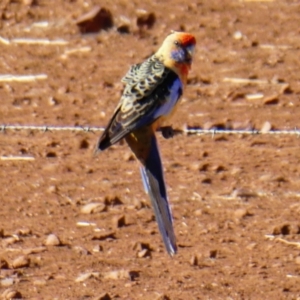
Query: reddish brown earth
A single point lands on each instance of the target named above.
(235, 198)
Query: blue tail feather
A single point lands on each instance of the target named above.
(153, 180)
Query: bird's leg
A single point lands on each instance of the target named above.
(167, 132)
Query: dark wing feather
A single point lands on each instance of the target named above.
(147, 87)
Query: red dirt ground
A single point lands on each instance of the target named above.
(235, 198)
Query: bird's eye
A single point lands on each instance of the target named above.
(176, 43)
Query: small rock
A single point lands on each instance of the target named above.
(84, 144)
(284, 229)
(11, 294)
(119, 221)
(121, 274)
(112, 200)
(83, 277)
(297, 260)
(266, 127)
(104, 236)
(251, 246)
(145, 20)
(206, 180)
(240, 213)
(7, 282)
(11, 240)
(271, 100)
(52, 240)
(34, 250)
(213, 253)
(40, 282)
(141, 246)
(194, 260)
(128, 156)
(237, 35)
(98, 248)
(123, 25)
(23, 232)
(3, 264)
(143, 253)
(81, 250)
(95, 20)
(93, 208)
(198, 212)
(103, 296)
(162, 297)
(21, 262)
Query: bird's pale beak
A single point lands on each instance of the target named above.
(189, 53)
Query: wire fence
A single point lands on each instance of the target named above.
(188, 130)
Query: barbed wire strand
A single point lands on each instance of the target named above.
(195, 131)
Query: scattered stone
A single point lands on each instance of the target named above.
(141, 246)
(81, 250)
(213, 253)
(198, 212)
(84, 277)
(112, 200)
(11, 240)
(52, 240)
(3, 264)
(40, 282)
(7, 282)
(128, 156)
(93, 207)
(34, 250)
(206, 180)
(255, 96)
(145, 20)
(11, 294)
(24, 232)
(84, 144)
(103, 296)
(237, 35)
(144, 253)
(251, 246)
(21, 262)
(266, 127)
(98, 248)
(297, 260)
(162, 297)
(271, 100)
(123, 25)
(121, 274)
(194, 260)
(104, 236)
(240, 213)
(119, 221)
(95, 20)
(284, 229)
(51, 154)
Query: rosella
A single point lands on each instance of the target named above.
(151, 93)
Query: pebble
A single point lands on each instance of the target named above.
(271, 100)
(6, 282)
(194, 260)
(11, 294)
(119, 221)
(52, 240)
(103, 296)
(95, 20)
(21, 262)
(91, 208)
(266, 127)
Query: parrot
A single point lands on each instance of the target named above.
(151, 94)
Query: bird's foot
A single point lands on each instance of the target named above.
(167, 132)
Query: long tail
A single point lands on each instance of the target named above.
(154, 184)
